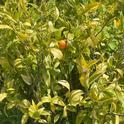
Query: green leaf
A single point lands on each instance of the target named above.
(56, 118)
(112, 45)
(65, 84)
(3, 96)
(84, 80)
(24, 119)
(46, 77)
(65, 112)
(26, 79)
(79, 117)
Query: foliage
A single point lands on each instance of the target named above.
(81, 83)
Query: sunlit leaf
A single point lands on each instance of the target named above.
(75, 97)
(56, 118)
(5, 27)
(92, 6)
(56, 53)
(2, 96)
(65, 84)
(24, 119)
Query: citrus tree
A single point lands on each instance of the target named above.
(61, 61)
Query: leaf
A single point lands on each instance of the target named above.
(58, 101)
(100, 70)
(23, 4)
(120, 96)
(56, 13)
(65, 84)
(24, 119)
(56, 118)
(56, 53)
(26, 79)
(121, 20)
(26, 103)
(92, 6)
(79, 117)
(112, 45)
(42, 121)
(94, 94)
(41, 111)
(70, 36)
(5, 27)
(10, 105)
(120, 72)
(51, 27)
(94, 77)
(117, 119)
(65, 112)
(27, 24)
(23, 36)
(45, 99)
(8, 16)
(75, 97)
(3, 96)
(92, 62)
(84, 80)
(46, 77)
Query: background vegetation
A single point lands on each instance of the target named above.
(61, 61)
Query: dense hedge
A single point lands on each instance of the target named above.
(61, 62)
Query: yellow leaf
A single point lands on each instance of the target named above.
(116, 23)
(5, 27)
(3, 96)
(92, 6)
(23, 36)
(56, 53)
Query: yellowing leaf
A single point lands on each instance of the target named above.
(23, 36)
(57, 100)
(24, 119)
(3, 96)
(75, 97)
(92, 6)
(50, 27)
(117, 119)
(65, 84)
(5, 27)
(116, 23)
(56, 53)
(56, 13)
(84, 80)
(23, 4)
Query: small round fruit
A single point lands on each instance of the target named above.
(62, 44)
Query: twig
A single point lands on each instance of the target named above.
(104, 25)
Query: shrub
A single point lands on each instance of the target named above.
(43, 82)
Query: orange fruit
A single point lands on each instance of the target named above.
(62, 44)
